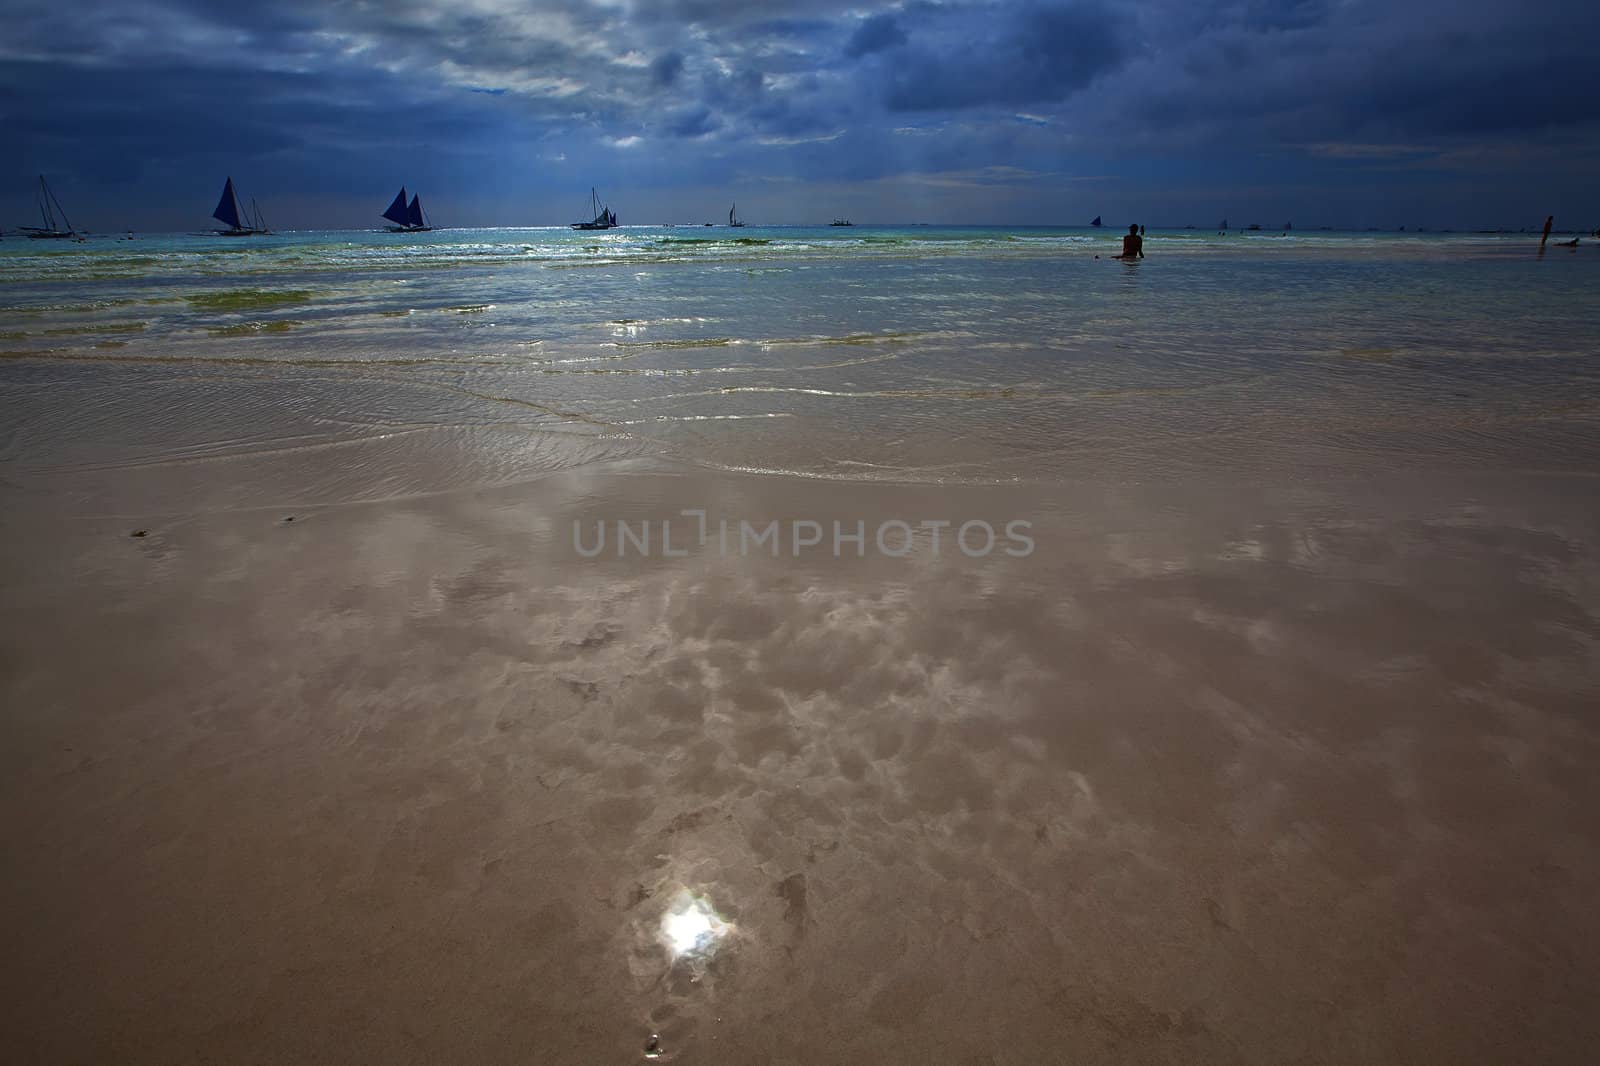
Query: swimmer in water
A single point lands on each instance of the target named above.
(1132, 245)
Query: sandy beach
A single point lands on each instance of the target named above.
(1294, 775)
(325, 739)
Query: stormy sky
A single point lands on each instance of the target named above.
(1461, 113)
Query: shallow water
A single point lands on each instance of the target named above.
(917, 354)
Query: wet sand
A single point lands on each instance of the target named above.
(1222, 772)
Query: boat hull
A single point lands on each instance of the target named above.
(242, 232)
(592, 225)
(49, 235)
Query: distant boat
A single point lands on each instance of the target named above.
(604, 217)
(841, 222)
(240, 223)
(1096, 221)
(1254, 225)
(49, 208)
(733, 218)
(407, 219)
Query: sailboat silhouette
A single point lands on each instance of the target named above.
(604, 217)
(407, 218)
(49, 208)
(239, 223)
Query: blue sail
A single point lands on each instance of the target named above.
(397, 210)
(227, 211)
(414, 212)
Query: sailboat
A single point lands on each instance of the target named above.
(240, 223)
(407, 218)
(733, 218)
(49, 208)
(1096, 221)
(841, 222)
(604, 217)
(415, 218)
(396, 211)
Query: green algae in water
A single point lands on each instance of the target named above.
(251, 329)
(247, 299)
(65, 309)
(106, 327)
(74, 331)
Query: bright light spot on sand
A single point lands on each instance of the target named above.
(692, 927)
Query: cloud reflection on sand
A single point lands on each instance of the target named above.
(1209, 770)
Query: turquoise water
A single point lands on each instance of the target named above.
(325, 366)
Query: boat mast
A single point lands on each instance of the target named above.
(44, 206)
(59, 210)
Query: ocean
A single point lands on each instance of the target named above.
(419, 363)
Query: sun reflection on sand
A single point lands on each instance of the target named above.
(691, 927)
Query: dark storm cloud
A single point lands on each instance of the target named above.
(694, 122)
(786, 29)
(874, 35)
(998, 55)
(1296, 73)
(665, 68)
(828, 88)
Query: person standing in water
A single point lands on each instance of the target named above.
(1132, 244)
